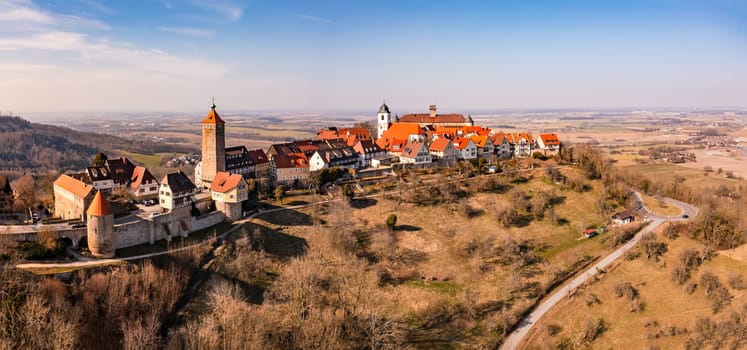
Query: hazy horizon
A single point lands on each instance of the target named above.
(84, 56)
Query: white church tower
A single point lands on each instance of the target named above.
(384, 119)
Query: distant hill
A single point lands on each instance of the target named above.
(40, 147)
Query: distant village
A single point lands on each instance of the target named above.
(89, 201)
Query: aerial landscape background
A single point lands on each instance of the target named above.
(246, 174)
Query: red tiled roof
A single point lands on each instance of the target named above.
(258, 156)
(395, 145)
(549, 139)
(140, 174)
(412, 149)
(100, 206)
(328, 134)
(425, 118)
(402, 131)
(479, 130)
(462, 142)
(440, 145)
(497, 138)
(292, 160)
(79, 189)
(361, 133)
(366, 146)
(224, 182)
(480, 140)
(622, 215)
(213, 117)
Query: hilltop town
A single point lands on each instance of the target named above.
(418, 229)
(138, 208)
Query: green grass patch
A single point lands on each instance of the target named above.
(692, 176)
(150, 161)
(446, 287)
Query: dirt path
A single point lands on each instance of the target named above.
(518, 334)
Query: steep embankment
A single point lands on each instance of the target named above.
(39, 147)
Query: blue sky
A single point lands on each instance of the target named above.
(174, 55)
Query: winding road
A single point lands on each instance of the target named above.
(515, 338)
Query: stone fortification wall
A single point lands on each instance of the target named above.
(178, 223)
(207, 220)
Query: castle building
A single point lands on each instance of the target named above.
(229, 191)
(176, 191)
(100, 227)
(383, 120)
(213, 148)
(71, 197)
(96, 176)
(431, 120)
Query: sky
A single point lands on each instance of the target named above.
(175, 55)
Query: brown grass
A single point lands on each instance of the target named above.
(461, 268)
(658, 207)
(665, 303)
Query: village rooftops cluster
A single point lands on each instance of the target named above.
(415, 138)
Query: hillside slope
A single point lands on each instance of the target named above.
(40, 147)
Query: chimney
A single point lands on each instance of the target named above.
(432, 110)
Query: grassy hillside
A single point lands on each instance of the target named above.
(452, 274)
(39, 147)
(662, 313)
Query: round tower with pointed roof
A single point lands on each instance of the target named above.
(101, 240)
(213, 147)
(384, 119)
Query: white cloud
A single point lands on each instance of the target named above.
(44, 41)
(62, 55)
(22, 15)
(25, 15)
(195, 32)
(311, 17)
(231, 11)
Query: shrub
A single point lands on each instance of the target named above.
(554, 329)
(736, 281)
(688, 260)
(592, 299)
(690, 288)
(652, 247)
(594, 328)
(391, 221)
(280, 193)
(625, 289)
(715, 291)
(348, 192)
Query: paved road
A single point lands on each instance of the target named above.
(515, 338)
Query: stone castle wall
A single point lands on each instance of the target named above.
(178, 223)
(232, 211)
